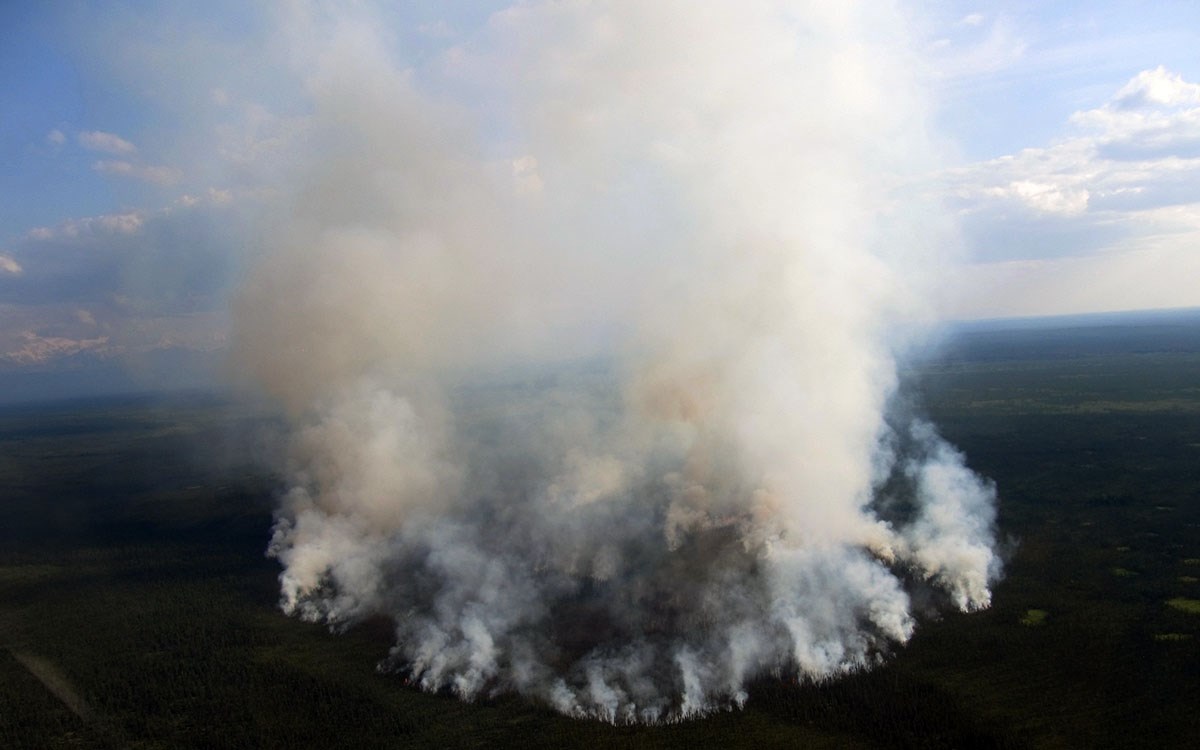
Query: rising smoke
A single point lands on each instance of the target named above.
(588, 332)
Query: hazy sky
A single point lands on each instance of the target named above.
(141, 140)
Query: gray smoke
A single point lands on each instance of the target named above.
(588, 331)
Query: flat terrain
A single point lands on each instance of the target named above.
(137, 608)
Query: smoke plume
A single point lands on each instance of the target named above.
(588, 330)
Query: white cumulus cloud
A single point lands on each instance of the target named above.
(1157, 87)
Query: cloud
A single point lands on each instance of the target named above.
(1063, 227)
(176, 260)
(1137, 152)
(37, 350)
(98, 140)
(976, 48)
(158, 175)
(1043, 197)
(121, 284)
(56, 138)
(1156, 116)
(110, 143)
(8, 265)
(127, 222)
(1154, 88)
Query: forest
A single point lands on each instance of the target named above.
(138, 609)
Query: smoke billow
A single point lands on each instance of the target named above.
(588, 330)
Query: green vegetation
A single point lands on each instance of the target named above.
(137, 608)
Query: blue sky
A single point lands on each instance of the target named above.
(141, 140)
(1013, 73)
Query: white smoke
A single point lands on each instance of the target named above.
(708, 194)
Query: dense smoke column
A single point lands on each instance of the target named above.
(731, 493)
